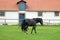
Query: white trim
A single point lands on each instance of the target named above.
(21, 11)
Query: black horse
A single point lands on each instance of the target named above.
(39, 20)
(28, 22)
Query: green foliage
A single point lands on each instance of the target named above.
(43, 33)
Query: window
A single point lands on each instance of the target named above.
(39, 13)
(57, 13)
(2, 13)
(22, 6)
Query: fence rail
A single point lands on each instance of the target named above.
(9, 21)
(16, 21)
(51, 21)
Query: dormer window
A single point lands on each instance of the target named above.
(21, 5)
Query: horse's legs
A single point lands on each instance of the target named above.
(25, 29)
(34, 28)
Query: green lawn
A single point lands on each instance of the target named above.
(43, 33)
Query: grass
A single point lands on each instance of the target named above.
(11, 32)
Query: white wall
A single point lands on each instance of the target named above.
(57, 17)
(51, 17)
(12, 17)
(48, 15)
(30, 15)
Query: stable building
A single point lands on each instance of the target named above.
(14, 11)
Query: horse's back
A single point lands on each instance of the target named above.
(37, 19)
(29, 22)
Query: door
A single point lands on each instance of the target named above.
(21, 18)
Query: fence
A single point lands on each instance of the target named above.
(51, 21)
(16, 21)
(9, 21)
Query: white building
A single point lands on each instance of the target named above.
(14, 11)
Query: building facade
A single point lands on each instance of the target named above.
(14, 11)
